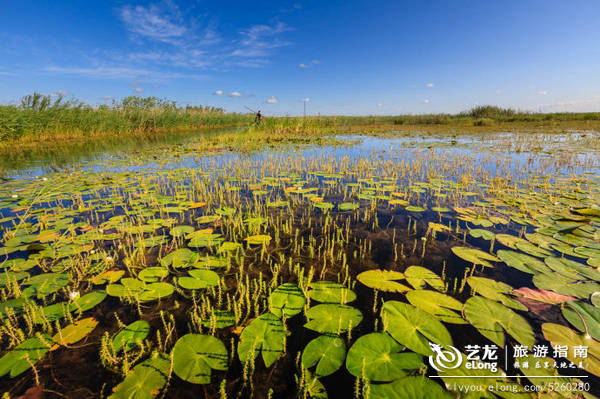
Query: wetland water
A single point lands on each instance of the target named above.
(307, 271)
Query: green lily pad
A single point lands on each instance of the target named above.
(441, 306)
(413, 327)
(87, 302)
(147, 379)
(564, 285)
(348, 206)
(584, 317)
(331, 292)
(383, 280)
(130, 337)
(24, 355)
(259, 239)
(332, 318)
(482, 233)
(492, 319)
(153, 274)
(495, 290)
(265, 335)
(287, 299)
(523, 262)
(420, 277)
(75, 332)
(564, 336)
(377, 357)
(196, 355)
(474, 256)
(181, 231)
(326, 352)
(199, 279)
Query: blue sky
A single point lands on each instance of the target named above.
(343, 57)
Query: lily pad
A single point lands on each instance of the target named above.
(75, 332)
(147, 379)
(23, 356)
(413, 327)
(420, 277)
(564, 336)
(326, 352)
(196, 355)
(475, 256)
(494, 290)
(492, 319)
(383, 280)
(130, 337)
(377, 357)
(331, 292)
(287, 299)
(265, 335)
(584, 317)
(441, 306)
(332, 318)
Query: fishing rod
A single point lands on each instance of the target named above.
(250, 109)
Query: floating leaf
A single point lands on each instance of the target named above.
(196, 355)
(377, 357)
(584, 317)
(419, 277)
(153, 274)
(332, 318)
(474, 256)
(23, 356)
(147, 379)
(326, 352)
(87, 302)
(331, 292)
(413, 327)
(266, 335)
(566, 286)
(383, 280)
(75, 332)
(494, 290)
(180, 258)
(544, 296)
(492, 319)
(523, 262)
(482, 233)
(442, 306)
(348, 206)
(564, 336)
(131, 336)
(260, 239)
(287, 299)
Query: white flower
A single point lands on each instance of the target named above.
(74, 295)
(109, 259)
(15, 196)
(93, 251)
(44, 178)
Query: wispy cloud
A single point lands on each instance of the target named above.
(157, 22)
(430, 85)
(272, 100)
(309, 64)
(218, 93)
(426, 101)
(106, 72)
(138, 90)
(543, 93)
(258, 40)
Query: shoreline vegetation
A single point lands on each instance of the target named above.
(42, 125)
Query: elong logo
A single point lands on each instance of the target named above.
(445, 359)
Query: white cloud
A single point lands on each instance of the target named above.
(106, 98)
(109, 72)
(542, 92)
(308, 65)
(426, 101)
(154, 22)
(272, 100)
(218, 93)
(259, 39)
(303, 65)
(315, 62)
(430, 85)
(235, 94)
(305, 100)
(138, 90)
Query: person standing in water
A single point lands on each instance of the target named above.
(258, 118)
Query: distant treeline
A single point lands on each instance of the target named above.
(42, 116)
